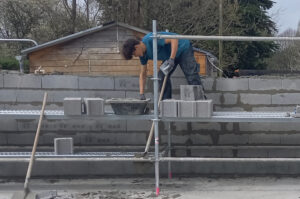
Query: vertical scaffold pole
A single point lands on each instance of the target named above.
(155, 107)
(169, 150)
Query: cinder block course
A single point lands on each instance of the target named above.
(233, 139)
(286, 98)
(30, 96)
(206, 126)
(191, 92)
(3, 139)
(230, 98)
(63, 146)
(255, 99)
(102, 94)
(8, 124)
(168, 108)
(236, 84)
(216, 97)
(269, 127)
(265, 84)
(201, 139)
(1, 80)
(127, 83)
(264, 138)
(93, 83)
(22, 81)
(60, 82)
(138, 125)
(291, 84)
(72, 106)
(20, 139)
(94, 106)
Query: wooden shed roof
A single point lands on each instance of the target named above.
(81, 34)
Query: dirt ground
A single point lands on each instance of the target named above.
(181, 188)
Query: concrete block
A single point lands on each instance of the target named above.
(252, 153)
(94, 106)
(264, 138)
(20, 139)
(94, 83)
(255, 98)
(60, 81)
(138, 126)
(30, 96)
(113, 126)
(72, 106)
(204, 108)
(291, 84)
(201, 139)
(8, 95)
(233, 139)
(187, 109)
(216, 97)
(8, 124)
(236, 84)
(269, 127)
(230, 99)
(168, 108)
(127, 83)
(191, 92)
(196, 126)
(208, 83)
(218, 153)
(176, 139)
(221, 108)
(290, 139)
(265, 84)
(22, 81)
(63, 146)
(286, 98)
(3, 139)
(1, 80)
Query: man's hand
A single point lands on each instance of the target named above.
(142, 97)
(171, 63)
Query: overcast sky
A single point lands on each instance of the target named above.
(286, 14)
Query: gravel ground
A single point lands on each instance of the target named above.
(140, 188)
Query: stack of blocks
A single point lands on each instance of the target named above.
(91, 106)
(190, 105)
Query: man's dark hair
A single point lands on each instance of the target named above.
(128, 48)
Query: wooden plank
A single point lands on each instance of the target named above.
(114, 68)
(83, 56)
(115, 62)
(60, 63)
(73, 69)
(92, 44)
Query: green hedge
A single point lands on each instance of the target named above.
(10, 63)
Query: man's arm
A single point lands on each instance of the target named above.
(143, 75)
(174, 47)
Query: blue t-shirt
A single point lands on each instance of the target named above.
(163, 49)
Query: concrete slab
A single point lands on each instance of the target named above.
(72, 106)
(94, 106)
(63, 146)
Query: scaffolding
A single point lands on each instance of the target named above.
(157, 156)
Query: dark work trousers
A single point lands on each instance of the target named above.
(189, 67)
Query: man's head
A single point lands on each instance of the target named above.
(132, 47)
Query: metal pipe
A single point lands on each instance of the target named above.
(169, 150)
(155, 107)
(228, 38)
(197, 159)
(18, 40)
(83, 159)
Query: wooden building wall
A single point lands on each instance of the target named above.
(93, 54)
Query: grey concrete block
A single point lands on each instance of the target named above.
(168, 108)
(208, 83)
(216, 97)
(252, 153)
(286, 98)
(127, 83)
(232, 84)
(138, 126)
(3, 139)
(8, 124)
(22, 81)
(176, 139)
(206, 126)
(230, 98)
(264, 138)
(72, 106)
(191, 92)
(291, 84)
(102, 94)
(1, 80)
(201, 139)
(94, 106)
(269, 127)
(187, 109)
(216, 153)
(8, 95)
(233, 139)
(94, 83)
(204, 108)
(63, 146)
(255, 98)
(60, 82)
(113, 126)
(35, 106)
(265, 84)
(20, 139)
(30, 96)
